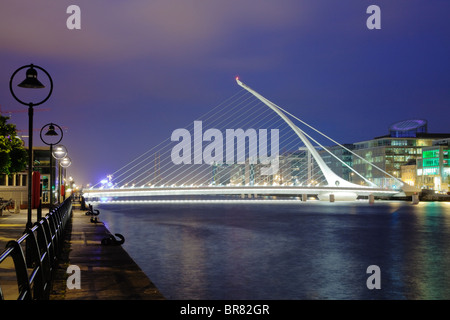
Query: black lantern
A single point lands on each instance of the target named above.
(31, 81)
(51, 131)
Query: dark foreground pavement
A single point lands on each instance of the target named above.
(107, 272)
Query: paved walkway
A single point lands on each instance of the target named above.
(107, 272)
(12, 225)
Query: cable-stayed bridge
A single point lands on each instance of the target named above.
(246, 146)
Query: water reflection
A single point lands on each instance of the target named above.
(426, 261)
(307, 251)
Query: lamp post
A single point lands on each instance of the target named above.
(51, 132)
(65, 162)
(59, 153)
(31, 82)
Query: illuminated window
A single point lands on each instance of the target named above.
(431, 162)
(399, 143)
(424, 143)
(431, 154)
(446, 172)
(430, 171)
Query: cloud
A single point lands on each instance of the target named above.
(180, 29)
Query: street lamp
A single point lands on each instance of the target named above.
(65, 162)
(31, 82)
(53, 138)
(59, 153)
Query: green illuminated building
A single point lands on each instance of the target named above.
(433, 167)
(405, 143)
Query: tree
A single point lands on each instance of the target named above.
(13, 156)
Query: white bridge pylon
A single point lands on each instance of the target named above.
(332, 179)
(334, 185)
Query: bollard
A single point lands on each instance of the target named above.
(331, 197)
(304, 197)
(16, 206)
(111, 240)
(371, 198)
(415, 199)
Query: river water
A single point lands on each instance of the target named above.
(284, 251)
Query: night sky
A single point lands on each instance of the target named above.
(137, 70)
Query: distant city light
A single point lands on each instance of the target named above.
(106, 183)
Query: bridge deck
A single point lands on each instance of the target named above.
(234, 190)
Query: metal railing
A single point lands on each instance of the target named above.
(36, 252)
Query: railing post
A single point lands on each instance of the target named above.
(37, 276)
(20, 266)
(54, 231)
(50, 240)
(44, 257)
